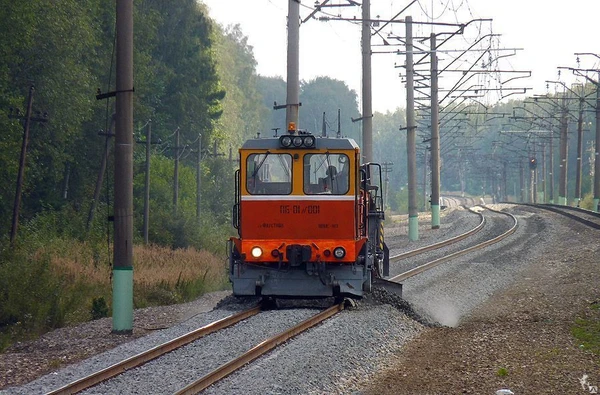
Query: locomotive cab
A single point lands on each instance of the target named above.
(309, 219)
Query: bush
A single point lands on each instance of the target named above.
(33, 299)
(588, 202)
(99, 308)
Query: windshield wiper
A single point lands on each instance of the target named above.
(260, 165)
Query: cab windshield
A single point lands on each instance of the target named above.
(326, 174)
(269, 174)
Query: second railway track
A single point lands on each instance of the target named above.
(493, 226)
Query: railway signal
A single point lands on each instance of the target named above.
(533, 163)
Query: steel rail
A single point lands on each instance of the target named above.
(443, 243)
(260, 349)
(420, 269)
(559, 209)
(153, 353)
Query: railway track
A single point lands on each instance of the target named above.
(490, 229)
(153, 353)
(260, 349)
(215, 375)
(452, 255)
(585, 217)
(263, 347)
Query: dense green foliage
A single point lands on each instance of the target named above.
(66, 51)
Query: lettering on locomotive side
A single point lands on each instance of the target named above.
(328, 226)
(270, 225)
(312, 209)
(298, 209)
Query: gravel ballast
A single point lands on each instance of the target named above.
(376, 348)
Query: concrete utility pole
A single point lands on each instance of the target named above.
(522, 181)
(199, 177)
(597, 139)
(293, 64)
(123, 225)
(597, 150)
(386, 168)
(425, 173)
(579, 152)
(504, 179)
(21, 173)
(551, 172)
(544, 191)
(147, 182)
(413, 213)
(435, 139)
(564, 128)
(367, 105)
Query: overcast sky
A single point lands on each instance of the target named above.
(549, 32)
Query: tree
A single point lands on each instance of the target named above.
(327, 95)
(243, 112)
(273, 89)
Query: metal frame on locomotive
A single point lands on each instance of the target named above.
(300, 234)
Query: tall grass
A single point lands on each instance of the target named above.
(46, 285)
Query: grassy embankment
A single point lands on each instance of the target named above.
(67, 282)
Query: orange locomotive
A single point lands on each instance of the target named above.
(309, 219)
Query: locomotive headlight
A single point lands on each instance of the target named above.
(286, 141)
(256, 252)
(339, 252)
(309, 141)
(297, 141)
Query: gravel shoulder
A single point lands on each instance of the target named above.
(520, 337)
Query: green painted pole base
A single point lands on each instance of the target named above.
(122, 300)
(413, 228)
(435, 216)
(596, 203)
(562, 200)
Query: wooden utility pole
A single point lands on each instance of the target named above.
(21, 173)
(176, 173)
(123, 214)
(339, 129)
(147, 182)
(100, 178)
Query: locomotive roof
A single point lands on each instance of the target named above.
(321, 143)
